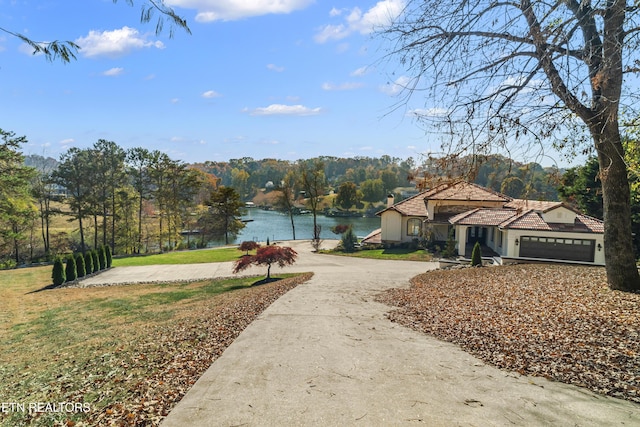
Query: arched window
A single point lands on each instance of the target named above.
(414, 226)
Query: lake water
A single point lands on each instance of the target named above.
(277, 226)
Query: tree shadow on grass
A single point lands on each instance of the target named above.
(266, 281)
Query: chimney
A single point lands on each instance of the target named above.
(389, 200)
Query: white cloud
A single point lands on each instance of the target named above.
(342, 86)
(67, 141)
(211, 94)
(115, 71)
(335, 12)
(175, 100)
(275, 68)
(284, 110)
(114, 43)
(231, 10)
(360, 72)
(396, 87)
(331, 32)
(379, 16)
(428, 112)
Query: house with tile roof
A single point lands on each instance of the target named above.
(512, 229)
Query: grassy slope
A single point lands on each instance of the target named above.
(116, 348)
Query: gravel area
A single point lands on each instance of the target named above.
(559, 322)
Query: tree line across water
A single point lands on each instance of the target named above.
(139, 201)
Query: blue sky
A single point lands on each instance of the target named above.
(286, 79)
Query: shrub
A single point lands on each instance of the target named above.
(96, 261)
(57, 274)
(70, 269)
(80, 268)
(102, 255)
(476, 255)
(88, 263)
(109, 256)
(450, 246)
(349, 240)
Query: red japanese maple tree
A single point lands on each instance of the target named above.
(267, 255)
(248, 245)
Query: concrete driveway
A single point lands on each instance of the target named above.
(325, 355)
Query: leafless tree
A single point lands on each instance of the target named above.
(510, 75)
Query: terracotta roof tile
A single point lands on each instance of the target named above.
(413, 206)
(531, 220)
(536, 205)
(485, 217)
(463, 190)
(375, 237)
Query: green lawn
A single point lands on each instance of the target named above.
(117, 347)
(181, 257)
(393, 254)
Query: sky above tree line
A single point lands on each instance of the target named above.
(291, 79)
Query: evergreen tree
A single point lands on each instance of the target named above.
(58, 275)
(80, 267)
(96, 261)
(70, 270)
(102, 255)
(88, 263)
(476, 255)
(109, 256)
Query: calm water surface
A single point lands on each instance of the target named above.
(277, 226)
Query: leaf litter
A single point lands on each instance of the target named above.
(554, 321)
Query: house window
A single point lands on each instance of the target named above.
(413, 227)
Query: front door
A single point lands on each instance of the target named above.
(477, 234)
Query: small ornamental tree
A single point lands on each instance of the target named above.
(476, 255)
(80, 268)
(248, 245)
(70, 269)
(109, 255)
(57, 274)
(88, 263)
(267, 255)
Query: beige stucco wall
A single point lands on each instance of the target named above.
(560, 215)
(391, 223)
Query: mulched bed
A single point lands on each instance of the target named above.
(558, 322)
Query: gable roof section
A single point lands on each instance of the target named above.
(464, 191)
(483, 217)
(536, 205)
(413, 206)
(532, 220)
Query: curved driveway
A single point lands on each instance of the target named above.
(325, 355)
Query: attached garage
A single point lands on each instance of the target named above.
(557, 248)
